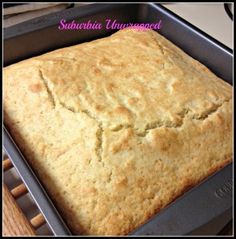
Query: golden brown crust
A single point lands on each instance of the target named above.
(117, 128)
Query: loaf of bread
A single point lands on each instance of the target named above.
(119, 127)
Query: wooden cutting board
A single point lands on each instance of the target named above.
(15, 222)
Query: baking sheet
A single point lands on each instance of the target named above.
(25, 40)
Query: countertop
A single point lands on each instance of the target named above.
(209, 17)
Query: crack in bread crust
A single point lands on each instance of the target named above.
(159, 124)
(210, 111)
(50, 92)
(99, 133)
(186, 112)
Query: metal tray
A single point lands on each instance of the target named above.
(206, 208)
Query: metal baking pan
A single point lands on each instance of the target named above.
(206, 208)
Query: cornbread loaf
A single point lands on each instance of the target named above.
(119, 127)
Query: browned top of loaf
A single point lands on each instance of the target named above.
(117, 128)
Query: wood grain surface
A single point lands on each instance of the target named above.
(14, 221)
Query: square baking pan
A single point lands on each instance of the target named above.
(204, 209)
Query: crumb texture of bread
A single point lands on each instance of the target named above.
(117, 128)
